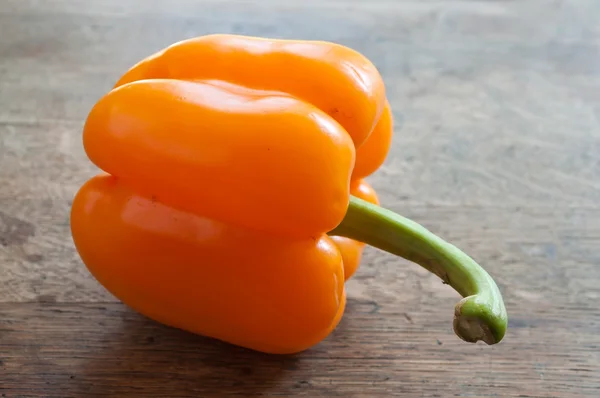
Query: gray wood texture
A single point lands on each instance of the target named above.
(496, 148)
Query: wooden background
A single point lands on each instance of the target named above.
(497, 149)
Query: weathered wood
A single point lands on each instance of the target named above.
(64, 350)
(497, 149)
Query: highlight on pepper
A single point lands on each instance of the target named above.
(233, 200)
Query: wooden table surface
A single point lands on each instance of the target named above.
(496, 148)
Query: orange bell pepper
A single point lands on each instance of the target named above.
(228, 162)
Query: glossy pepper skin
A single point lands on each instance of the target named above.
(233, 202)
(266, 292)
(333, 78)
(222, 182)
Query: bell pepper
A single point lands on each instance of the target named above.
(232, 192)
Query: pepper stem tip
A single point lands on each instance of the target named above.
(473, 326)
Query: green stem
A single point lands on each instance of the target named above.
(481, 314)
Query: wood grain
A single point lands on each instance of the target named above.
(497, 149)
